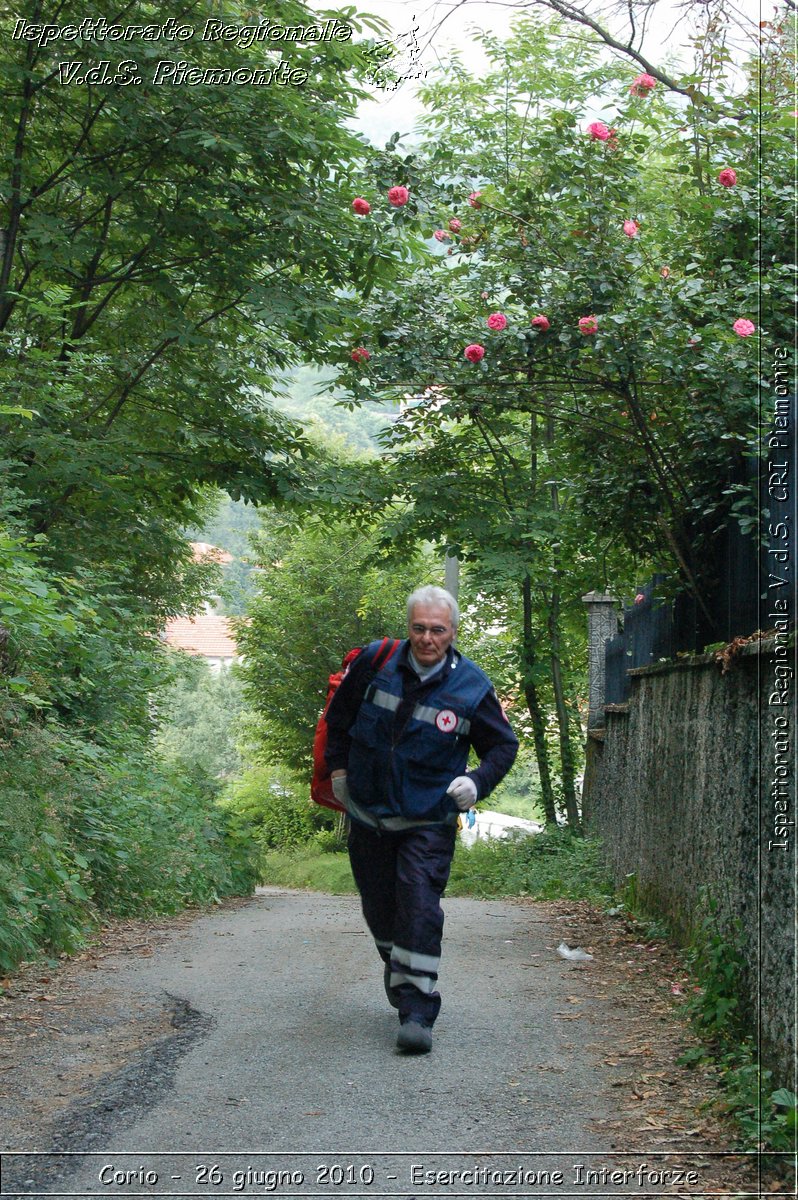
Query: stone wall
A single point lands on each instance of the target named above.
(681, 788)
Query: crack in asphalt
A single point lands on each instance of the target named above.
(121, 1094)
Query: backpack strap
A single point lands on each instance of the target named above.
(385, 652)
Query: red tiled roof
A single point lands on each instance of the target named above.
(206, 635)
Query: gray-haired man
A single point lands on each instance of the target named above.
(397, 747)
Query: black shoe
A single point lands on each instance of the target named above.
(414, 1037)
(391, 993)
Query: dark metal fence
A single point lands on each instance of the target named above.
(735, 600)
(647, 637)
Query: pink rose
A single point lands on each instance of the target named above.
(743, 327)
(441, 235)
(665, 272)
(640, 598)
(588, 325)
(485, 295)
(598, 131)
(398, 196)
(631, 228)
(727, 177)
(642, 85)
(455, 225)
(540, 322)
(361, 206)
(474, 200)
(360, 354)
(474, 353)
(497, 321)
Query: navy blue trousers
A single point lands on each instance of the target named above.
(401, 878)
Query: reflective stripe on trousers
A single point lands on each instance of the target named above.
(401, 877)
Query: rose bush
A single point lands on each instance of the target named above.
(641, 396)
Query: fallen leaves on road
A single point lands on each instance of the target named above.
(643, 981)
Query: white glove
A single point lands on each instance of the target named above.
(340, 788)
(463, 791)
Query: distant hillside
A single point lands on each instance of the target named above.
(233, 521)
(302, 402)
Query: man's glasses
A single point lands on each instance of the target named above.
(435, 630)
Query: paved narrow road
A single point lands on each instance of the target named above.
(281, 1044)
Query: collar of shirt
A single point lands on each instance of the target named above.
(408, 663)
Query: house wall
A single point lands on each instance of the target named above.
(694, 797)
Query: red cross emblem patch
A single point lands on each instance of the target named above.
(446, 720)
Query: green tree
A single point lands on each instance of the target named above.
(612, 394)
(323, 588)
(165, 250)
(198, 718)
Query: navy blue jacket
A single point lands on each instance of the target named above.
(403, 740)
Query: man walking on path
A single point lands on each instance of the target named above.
(397, 748)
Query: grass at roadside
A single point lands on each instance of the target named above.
(309, 867)
(545, 866)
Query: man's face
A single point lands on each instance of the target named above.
(431, 632)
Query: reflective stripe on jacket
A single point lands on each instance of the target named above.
(399, 776)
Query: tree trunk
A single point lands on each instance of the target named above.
(535, 709)
(563, 722)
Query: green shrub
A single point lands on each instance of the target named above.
(545, 866)
(275, 802)
(87, 832)
(767, 1117)
(309, 867)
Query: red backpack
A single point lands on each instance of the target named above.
(321, 784)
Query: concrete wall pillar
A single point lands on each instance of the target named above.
(602, 624)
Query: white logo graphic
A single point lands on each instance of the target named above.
(446, 720)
